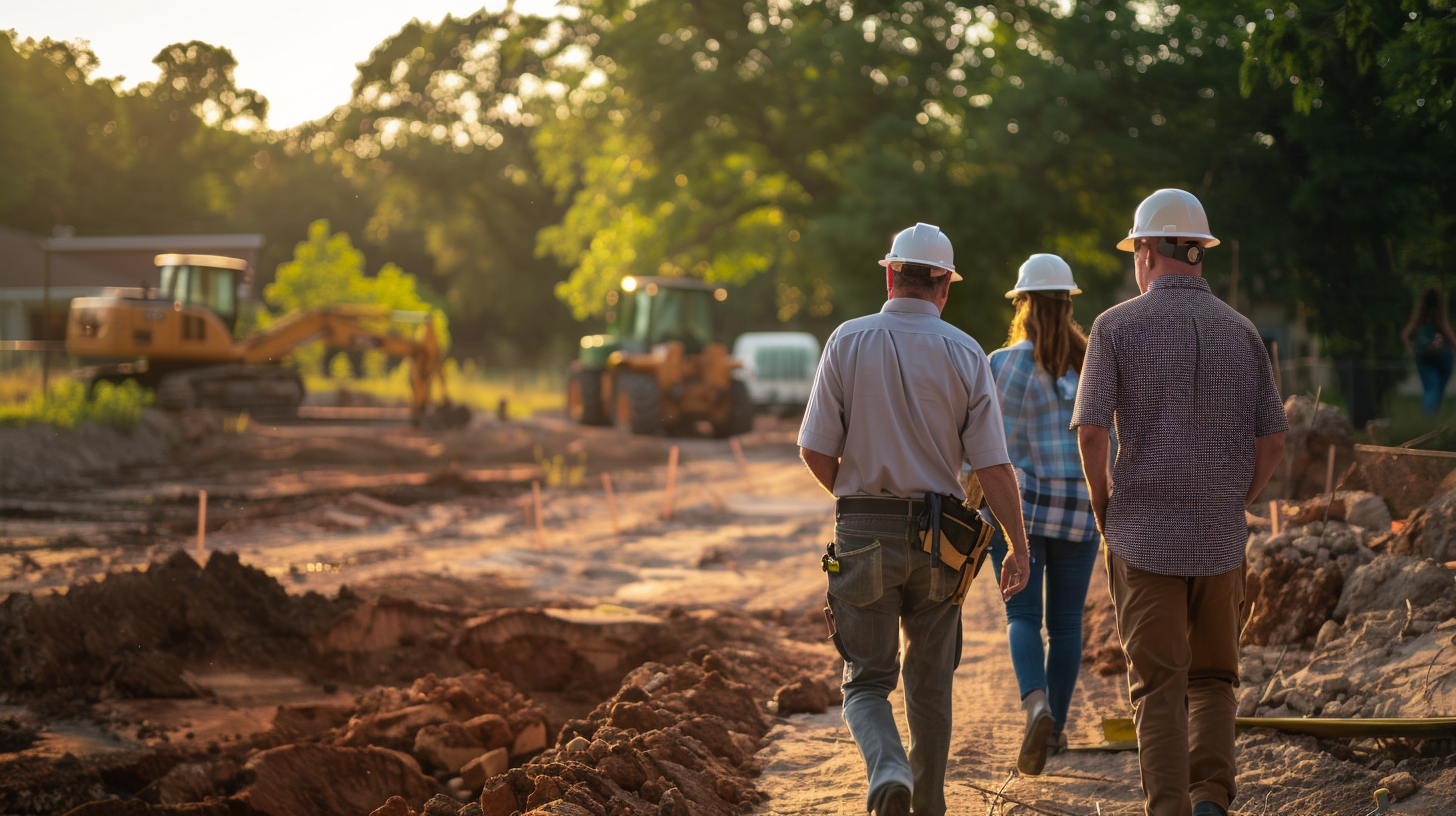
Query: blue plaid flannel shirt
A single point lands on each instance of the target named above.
(1038, 413)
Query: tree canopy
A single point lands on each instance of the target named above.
(521, 166)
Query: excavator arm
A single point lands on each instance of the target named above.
(350, 328)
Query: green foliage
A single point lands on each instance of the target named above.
(65, 405)
(327, 270)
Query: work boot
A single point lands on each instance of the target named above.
(1039, 726)
(1209, 809)
(895, 802)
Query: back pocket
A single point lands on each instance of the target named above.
(860, 580)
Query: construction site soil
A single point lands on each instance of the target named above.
(376, 623)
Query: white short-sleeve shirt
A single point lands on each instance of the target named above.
(903, 398)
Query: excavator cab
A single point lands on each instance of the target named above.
(208, 281)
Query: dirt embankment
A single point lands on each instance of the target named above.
(635, 712)
(44, 457)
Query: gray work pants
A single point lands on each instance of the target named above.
(886, 584)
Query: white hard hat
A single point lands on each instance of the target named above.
(923, 244)
(1169, 213)
(1045, 273)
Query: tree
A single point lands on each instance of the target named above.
(327, 270)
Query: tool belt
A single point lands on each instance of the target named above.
(952, 533)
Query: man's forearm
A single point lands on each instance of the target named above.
(1003, 496)
(825, 468)
(1093, 442)
(1268, 450)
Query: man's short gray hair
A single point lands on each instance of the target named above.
(915, 279)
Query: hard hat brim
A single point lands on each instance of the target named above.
(1126, 244)
(954, 275)
(1014, 292)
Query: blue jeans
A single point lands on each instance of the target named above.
(1064, 568)
(887, 585)
(1435, 370)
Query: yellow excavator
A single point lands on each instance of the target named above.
(178, 339)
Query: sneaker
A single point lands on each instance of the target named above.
(1209, 809)
(895, 802)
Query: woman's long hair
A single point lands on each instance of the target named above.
(1057, 341)
(1430, 308)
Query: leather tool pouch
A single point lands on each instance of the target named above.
(964, 537)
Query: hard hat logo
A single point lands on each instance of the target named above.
(1043, 272)
(1169, 213)
(926, 245)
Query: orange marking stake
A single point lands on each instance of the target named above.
(671, 482)
(611, 502)
(202, 527)
(536, 511)
(1274, 517)
(738, 453)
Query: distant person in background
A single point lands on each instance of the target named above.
(1429, 335)
(1036, 383)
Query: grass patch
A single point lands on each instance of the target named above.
(1409, 420)
(526, 392)
(64, 404)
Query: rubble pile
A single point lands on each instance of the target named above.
(1302, 472)
(133, 634)
(1430, 532)
(672, 741)
(1295, 578)
(1333, 557)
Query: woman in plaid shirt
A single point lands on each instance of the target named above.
(1036, 406)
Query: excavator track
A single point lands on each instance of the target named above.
(236, 387)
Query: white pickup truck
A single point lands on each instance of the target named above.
(778, 368)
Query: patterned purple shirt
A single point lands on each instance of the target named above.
(1188, 382)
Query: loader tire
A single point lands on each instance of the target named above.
(584, 398)
(740, 412)
(638, 406)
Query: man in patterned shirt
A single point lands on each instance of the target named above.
(1200, 429)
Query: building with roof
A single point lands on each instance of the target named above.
(85, 267)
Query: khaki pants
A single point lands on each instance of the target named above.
(1181, 638)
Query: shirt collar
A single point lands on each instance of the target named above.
(911, 306)
(1179, 282)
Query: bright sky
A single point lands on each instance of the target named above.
(300, 54)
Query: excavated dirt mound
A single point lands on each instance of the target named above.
(42, 457)
(689, 730)
(135, 633)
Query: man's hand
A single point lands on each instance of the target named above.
(1004, 498)
(1015, 571)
